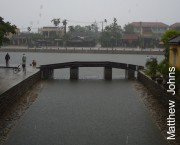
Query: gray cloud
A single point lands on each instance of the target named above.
(38, 13)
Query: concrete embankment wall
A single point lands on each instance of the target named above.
(158, 91)
(83, 51)
(12, 95)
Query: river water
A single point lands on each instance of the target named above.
(90, 111)
(84, 73)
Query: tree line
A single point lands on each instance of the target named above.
(110, 36)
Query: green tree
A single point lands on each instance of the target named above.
(166, 36)
(176, 28)
(128, 29)
(94, 27)
(111, 34)
(5, 29)
(152, 67)
(83, 31)
(163, 66)
(36, 36)
(56, 22)
(71, 29)
(169, 34)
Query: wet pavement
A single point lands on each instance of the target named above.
(83, 48)
(115, 50)
(87, 112)
(8, 78)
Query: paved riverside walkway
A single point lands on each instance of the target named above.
(86, 112)
(108, 50)
(8, 79)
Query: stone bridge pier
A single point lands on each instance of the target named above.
(129, 74)
(47, 73)
(74, 73)
(108, 73)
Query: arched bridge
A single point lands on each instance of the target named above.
(47, 70)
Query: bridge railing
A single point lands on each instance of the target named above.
(118, 65)
(91, 64)
(85, 64)
(132, 67)
(140, 67)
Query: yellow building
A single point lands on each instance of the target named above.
(49, 32)
(174, 52)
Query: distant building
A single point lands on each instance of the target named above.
(10, 36)
(78, 41)
(175, 26)
(149, 33)
(17, 30)
(19, 38)
(52, 36)
(147, 29)
(51, 32)
(174, 52)
(130, 40)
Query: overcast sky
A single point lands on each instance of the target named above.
(38, 13)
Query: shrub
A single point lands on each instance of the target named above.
(152, 67)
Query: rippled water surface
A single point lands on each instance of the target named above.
(84, 73)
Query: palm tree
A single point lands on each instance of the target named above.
(64, 23)
(56, 22)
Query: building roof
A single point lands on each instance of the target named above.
(130, 37)
(149, 24)
(175, 25)
(175, 40)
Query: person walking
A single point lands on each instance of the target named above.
(24, 62)
(7, 58)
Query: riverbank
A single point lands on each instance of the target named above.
(157, 100)
(157, 111)
(9, 119)
(98, 50)
(13, 85)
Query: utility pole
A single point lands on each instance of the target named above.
(64, 23)
(102, 28)
(29, 30)
(141, 43)
(103, 23)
